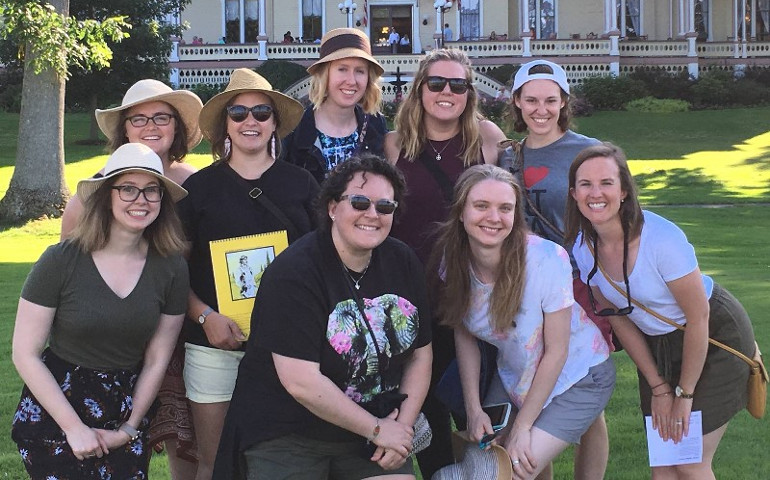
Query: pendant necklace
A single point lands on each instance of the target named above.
(438, 154)
(360, 277)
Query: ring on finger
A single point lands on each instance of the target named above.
(515, 462)
(678, 422)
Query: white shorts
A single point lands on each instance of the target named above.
(210, 373)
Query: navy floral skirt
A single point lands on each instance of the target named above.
(102, 399)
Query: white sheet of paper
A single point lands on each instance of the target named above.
(689, 450)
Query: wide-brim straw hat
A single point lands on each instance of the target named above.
(474, 463)
(187, 104)
(132, 158)
(244, 80)
(345, 43)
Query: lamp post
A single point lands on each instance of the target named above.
(441, 6)
(348, 7)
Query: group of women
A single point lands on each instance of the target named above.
(347, 341)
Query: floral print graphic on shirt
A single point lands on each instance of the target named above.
(337, 150)
(394, 322)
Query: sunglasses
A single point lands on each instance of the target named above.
(159, 119)
(362, 203)
(239, 113)
(129, 193)
(608, 312)
(456, 85)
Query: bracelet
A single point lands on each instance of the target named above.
(658, 385)
(664, 394)
(375, 431)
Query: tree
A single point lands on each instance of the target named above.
(51, 41)
(143, 55)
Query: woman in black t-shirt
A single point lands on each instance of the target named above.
(340, 322)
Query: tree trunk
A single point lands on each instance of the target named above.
(37, 186)
(93, 128)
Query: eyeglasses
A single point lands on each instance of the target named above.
(456, 85)
(239, 113)
(607, 312)
(362, 203)
(159, 119)
(129, 193)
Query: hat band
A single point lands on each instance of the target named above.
(346, 40)
(118, 170)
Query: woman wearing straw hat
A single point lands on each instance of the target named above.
(346, 96)
(165, 120)
(109, 303)
(439, 133)
(246, 191)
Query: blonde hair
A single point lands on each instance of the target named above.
(409, 119)
(453, 251)
(319, 84)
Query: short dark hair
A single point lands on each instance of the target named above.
(178, 149)
(338, 179)
(565, 113)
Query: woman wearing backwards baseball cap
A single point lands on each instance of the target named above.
(344, 118)
(96, 325)
(540, 106)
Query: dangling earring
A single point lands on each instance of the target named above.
(228, 146)
(272, 145)
(332, 217)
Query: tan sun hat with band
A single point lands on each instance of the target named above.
(244, 80)
(187, 105)
(345, 43)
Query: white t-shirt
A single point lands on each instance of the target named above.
(548, 288)
(664, 255)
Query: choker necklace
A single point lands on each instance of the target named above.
(438, 154)
(360, 277)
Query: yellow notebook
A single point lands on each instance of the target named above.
(238, 264)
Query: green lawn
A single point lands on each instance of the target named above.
(709, 157)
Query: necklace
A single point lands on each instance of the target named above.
(360, 277)
(438, 154)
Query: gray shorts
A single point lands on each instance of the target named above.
(569, 415)
(300, 458)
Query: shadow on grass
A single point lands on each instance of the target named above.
(681, 185)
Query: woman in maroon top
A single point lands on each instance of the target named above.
(439, 133)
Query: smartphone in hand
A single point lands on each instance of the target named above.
(498, 415)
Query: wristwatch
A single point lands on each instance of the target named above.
(131, 431)
(681, 393)
(202, 316)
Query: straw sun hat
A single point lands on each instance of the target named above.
(345, 43)
(244, 80)
(187, 104)
(131, 158)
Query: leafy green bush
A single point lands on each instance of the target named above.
(661, 83)
(503, 74)
(10, 89)
(712, 89)
(282, 74)
(748, 92)
(207, 90)
(611, 93)
(657, 105)
(494, 110)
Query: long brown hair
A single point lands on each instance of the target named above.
(178, 149)
(409, 119)
(631, 217)
(452, 253)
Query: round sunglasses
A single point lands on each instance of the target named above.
(239, 113)
(362, 203)
(457, 86)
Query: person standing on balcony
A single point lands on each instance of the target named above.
(244, 125)
(165, 120)
(448, 35)
(346, 96)
(540, 107)
(439, 133)
(393, 39)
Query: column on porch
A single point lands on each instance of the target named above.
(682, 27)
(224, 18)
(242, 19)
(691, 35)
(526, 31)
(753, 20)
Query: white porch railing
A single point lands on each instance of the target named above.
(653, 49)
(542, 48)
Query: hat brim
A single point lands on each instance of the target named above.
(289, 111)
(348, 52)
(187, 104)
(89, 186)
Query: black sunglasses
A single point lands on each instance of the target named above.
(456, 85)
(159, 119)
(608, 312)
(362, 203)
(239, 113)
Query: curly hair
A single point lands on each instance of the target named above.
(565, 114)
(178, 149)
(337, 182)
(319, 84)
(409, 119)
(631, 216)
(450, 273)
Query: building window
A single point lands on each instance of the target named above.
(311, 20)
(629, 20)
(542, 19)
(232, 21)
(469, 20)
(251, 10)
(763, 20)
(702, 19)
